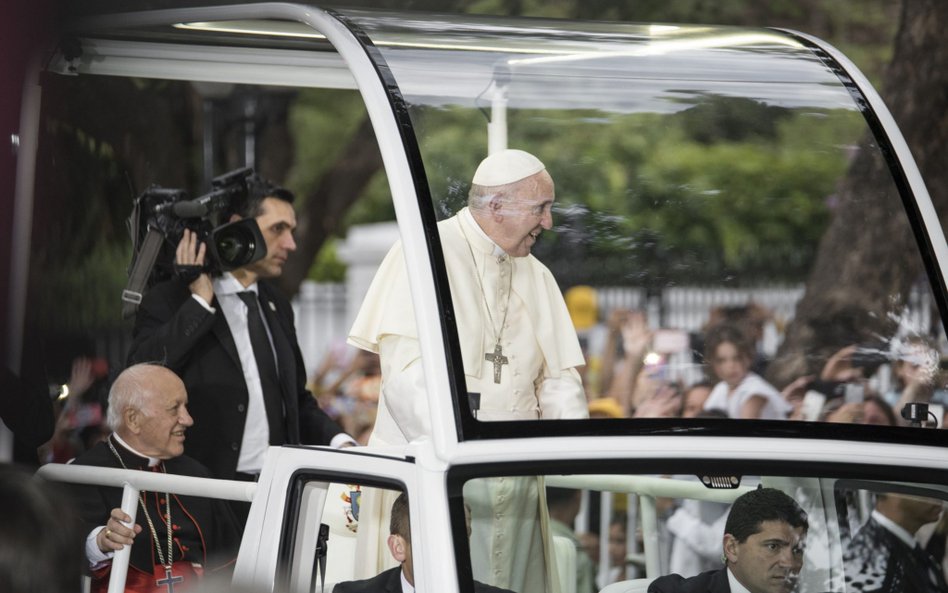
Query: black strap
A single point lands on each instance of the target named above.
(266, 367)
(132, 295)
(319, 562)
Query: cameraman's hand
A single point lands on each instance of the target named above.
(191, 253)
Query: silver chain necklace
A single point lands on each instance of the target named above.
(151, 526)
(496, 357)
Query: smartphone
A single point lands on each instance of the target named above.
(869, 356)
(669, 341)
(813, 402)
(828, 388)
(854, 393)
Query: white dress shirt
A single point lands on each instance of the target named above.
(736, 586)
(406, 586)
(256, 439)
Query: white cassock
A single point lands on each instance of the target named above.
(494, 295)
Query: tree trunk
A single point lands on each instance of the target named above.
(867, 261)
(321, 213)
(916, 91)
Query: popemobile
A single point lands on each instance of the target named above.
(681, 156)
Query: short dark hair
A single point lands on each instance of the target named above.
(724, 333)
(249, 204)
(883, 406)
(559, 496)
(399, 524)
(763, 504)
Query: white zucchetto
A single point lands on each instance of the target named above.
(506, 166)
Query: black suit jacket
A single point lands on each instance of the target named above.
(390, 581)
(713, 581)
(877, 561)
(204, 529)
(173, 329)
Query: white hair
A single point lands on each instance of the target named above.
(130, 390)
(481, 195)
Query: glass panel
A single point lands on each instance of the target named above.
(891, 533)
(777, 533)
(346, 509)
(105, 141)
(704, 178)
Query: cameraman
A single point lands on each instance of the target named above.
(246, 379)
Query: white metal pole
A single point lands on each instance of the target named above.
(650, 536)
(605, 518)
(581, 525)
(631, 541)
(120, 560)
(497, 127)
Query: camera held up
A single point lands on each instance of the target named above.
(160, 217)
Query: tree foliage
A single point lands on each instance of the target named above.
(307, 135)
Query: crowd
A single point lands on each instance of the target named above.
(631, 376)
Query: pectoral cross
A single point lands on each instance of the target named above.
(498, 359)
(169, 581)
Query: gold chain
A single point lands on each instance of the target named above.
(151, 526)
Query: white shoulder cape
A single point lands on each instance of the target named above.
(387, 308)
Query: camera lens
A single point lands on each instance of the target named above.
(235, 246)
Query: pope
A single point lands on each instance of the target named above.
(518, 346)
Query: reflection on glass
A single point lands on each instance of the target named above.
(893, 540)
(704, 177)
(772, 534)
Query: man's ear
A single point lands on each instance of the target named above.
(133, 419)
(730, 548)
(496, 206)
(397, 546)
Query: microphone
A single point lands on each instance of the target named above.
(196, 208)
(189, 209)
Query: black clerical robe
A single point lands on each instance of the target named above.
(204, 531)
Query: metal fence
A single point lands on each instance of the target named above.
(322, 316)
(321, 311)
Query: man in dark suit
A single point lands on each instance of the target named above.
(177, 538)
(232, 340)
(400, 579)
(884, 557)
(763, 549)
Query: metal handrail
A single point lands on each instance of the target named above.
(132, 483)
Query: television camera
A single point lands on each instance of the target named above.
(160, 217)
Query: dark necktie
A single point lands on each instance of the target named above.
(266, 367)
